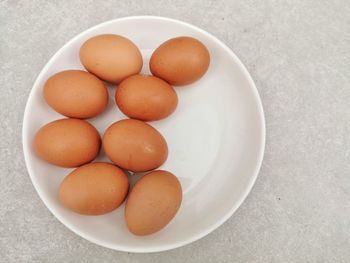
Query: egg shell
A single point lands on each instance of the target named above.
(146, 98)
(135, 145)
(76, 94)
(94, 189)
(67, 142)
(111, 57)
(153, 202)
(180, 61)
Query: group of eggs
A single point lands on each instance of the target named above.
(131, 144)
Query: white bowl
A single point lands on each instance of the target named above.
(216, 139)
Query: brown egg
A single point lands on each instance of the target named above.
(94, 189)
(153, 202)
(146, 98)
(134, 145)
(67, 142)
(76, 94)
(111, 57)
(180, 61)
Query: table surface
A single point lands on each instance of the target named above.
(298, 53)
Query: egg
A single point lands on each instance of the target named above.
(135, 145)
(180, 60)
(94, 189)
(111, 57)
(146, 98)
(76, 94)
(67, 142)
(153, 202)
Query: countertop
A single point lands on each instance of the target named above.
(298, 53)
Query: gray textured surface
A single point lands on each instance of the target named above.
(298, 52)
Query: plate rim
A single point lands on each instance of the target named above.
(193, 238)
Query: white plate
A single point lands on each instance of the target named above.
(216, 139)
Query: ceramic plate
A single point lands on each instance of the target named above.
(216, 139)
